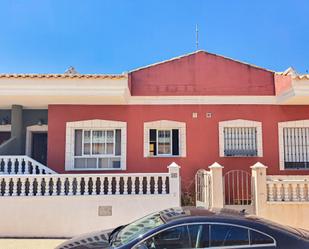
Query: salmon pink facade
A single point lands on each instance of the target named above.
(194, 110)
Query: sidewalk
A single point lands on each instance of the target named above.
(30, 243)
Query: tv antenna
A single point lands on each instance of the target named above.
(196, 36)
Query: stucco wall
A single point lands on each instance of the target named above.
(291, 214)
(201, 73)
(202, 141)
(58, 216)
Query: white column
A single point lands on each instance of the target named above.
(216, 185)
(174, 182)
(259, 187)
(125, 185)
(270, 191)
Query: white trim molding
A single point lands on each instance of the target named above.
(93, 124)
(165, 125)
(288, 124)
(31, 129)
(5, 128)
(241, 123)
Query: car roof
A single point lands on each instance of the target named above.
(179, 214)
(173, 214)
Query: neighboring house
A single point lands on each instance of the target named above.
(196, 109)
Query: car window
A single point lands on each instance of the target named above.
(260, 238)
(202, 237)
(176, 237)
(228, 235)
(137, 228)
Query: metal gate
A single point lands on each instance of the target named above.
(237, 188)
(203, 188)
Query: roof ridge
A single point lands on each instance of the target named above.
(195, 52)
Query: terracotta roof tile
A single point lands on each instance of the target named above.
(75, 76)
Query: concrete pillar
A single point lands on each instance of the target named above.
(175, 185)
(17, 128)
(216, 185)
(259, 187)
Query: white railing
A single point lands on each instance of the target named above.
(92, 184)
(18, 165)
(287, 188)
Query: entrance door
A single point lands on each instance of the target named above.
(39, 147)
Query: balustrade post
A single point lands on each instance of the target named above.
(259, 187)
(70, 189)
(270, 191)
(6, 166)
(133, 179)
(125, 185)
(286, 192)
(302, 192)
(109, 185)
(31, 180)
(117, 182)
(148, 181)
(22, 186)
(174, 182)
(140, 186)
(216, 185)
(294, 192)
(156, 186)
(78, 187)
(27, 171)
(14, 187)
(278, 187)
(62, 185)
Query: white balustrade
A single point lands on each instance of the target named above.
(86, 184)
(288, 188)
(18, 165)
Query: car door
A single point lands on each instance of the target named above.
(208, 235)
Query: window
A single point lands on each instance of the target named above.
(240, 138)
(296, 148)
(294, 144)
(164, 142)
(240, 141)
(176, 237)
(164, 138)
(97, 148)
(95, 145)
(257, 238)
(227, 235)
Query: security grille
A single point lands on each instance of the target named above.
(296, 148)
(240, 141)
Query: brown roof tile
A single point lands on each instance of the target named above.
(75, 76)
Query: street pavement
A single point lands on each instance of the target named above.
(30, 243)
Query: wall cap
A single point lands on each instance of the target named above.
(215, 165)
(258, 165)
(173, 165)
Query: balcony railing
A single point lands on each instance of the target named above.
(19, 165)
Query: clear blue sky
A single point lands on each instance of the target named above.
(114, 36)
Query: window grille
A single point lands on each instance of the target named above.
(296, 148)
(240, 141)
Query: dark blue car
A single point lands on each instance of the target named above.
(191, 227)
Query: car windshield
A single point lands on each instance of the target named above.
(136, 229)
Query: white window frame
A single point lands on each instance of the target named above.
(95, 124)
(241, 123)
(171, 143)
(288, 124)
(166, 125)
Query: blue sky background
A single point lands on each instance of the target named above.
(114, 36)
